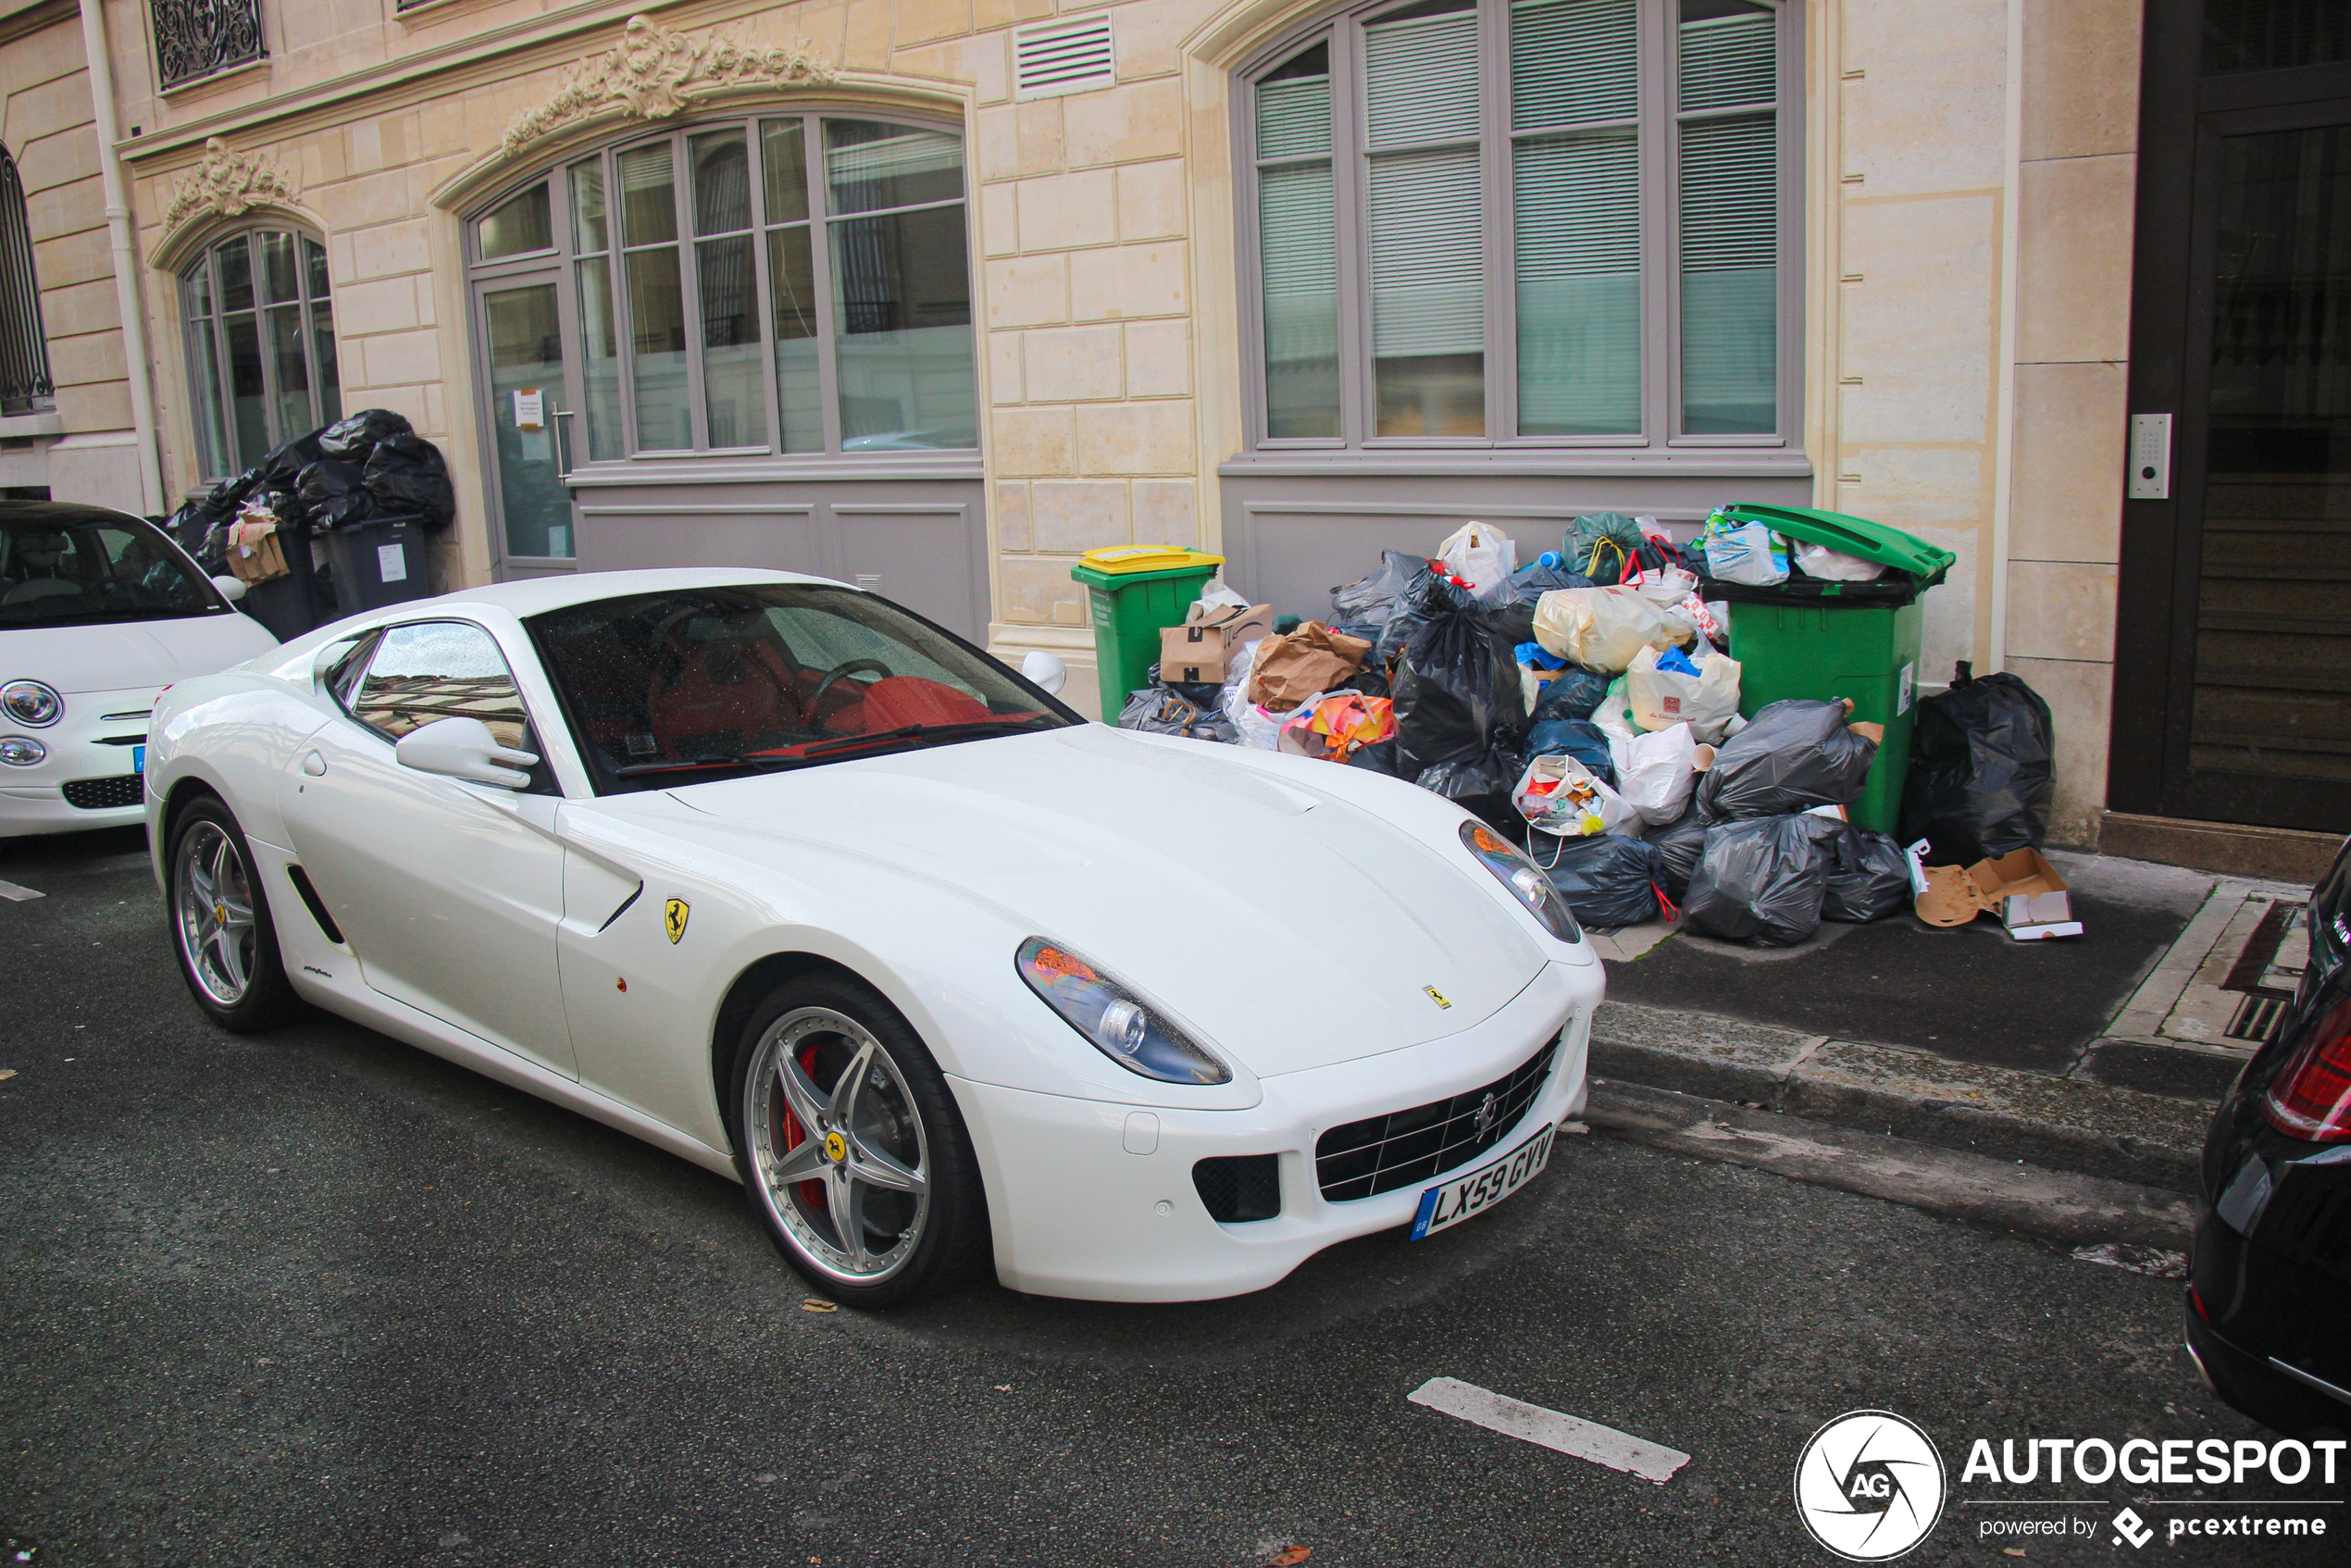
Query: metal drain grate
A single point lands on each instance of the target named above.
(2257, 1018)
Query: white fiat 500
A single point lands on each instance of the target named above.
(98, 610)
(782, 878)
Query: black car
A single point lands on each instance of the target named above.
(2269, 1273)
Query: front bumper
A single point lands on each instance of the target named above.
(84, 745)
(1075, 1213)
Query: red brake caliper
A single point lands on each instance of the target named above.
(812, 1193)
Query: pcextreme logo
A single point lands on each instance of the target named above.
(1870, 1486)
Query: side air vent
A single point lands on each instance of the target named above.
(1066, 55)
(311, 901)
(1238, 1187)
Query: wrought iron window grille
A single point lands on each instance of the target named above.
(199, 38)
(25, 382)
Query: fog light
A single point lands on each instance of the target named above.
(29, 701)
(21, 750)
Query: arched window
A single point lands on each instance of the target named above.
(1512, 223)
(261, 346)
(24, 347)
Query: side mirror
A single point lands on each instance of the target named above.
(231, 588)
(463, 748)
(1046, 670)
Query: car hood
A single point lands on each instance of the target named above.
(117, 655)
(1290, 928)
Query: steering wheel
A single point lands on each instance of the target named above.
(816, 698)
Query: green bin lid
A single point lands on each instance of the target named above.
(1855, 536)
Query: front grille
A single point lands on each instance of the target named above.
(104, 794)
(1240, 1187)
(1404, 1148)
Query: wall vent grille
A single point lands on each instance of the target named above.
(1066, 55)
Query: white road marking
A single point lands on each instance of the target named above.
(15, 894)
(1568, 1434)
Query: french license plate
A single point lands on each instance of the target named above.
(1481, 1189)
(138, 759)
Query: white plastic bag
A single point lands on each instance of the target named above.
(1836, 565)
(1614, 719)
(1483, 554)
(1707, 701)
(1601, 628)
(1579, 805)
(1253, 724)
(1668, 585)
(1745, 554)
(1657, 777)
(1216, 594)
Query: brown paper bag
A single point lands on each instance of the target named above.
(1312, 659)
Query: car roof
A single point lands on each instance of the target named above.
(61, 512)
(534, 596)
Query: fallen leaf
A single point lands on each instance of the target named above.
(7, 1072)
(1002, 1387)
(814, 1305)
(1289, 1557)
(2012, 1552)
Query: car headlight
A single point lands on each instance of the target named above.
(1523, 878)
(1114, 1020)
(29, 701)
(21, 750)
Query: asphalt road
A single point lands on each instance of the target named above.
(318, 1298)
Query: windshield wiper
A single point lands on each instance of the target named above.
(712, 759)
(917, 732)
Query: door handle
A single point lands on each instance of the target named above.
(314, 765)
(563, 447)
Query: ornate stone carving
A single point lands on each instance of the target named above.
(227, 184)
(655, 72)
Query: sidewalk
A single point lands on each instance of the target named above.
(2102, 1054)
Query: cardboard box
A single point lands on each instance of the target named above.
(256, 556)
(2031, 900)
(1201, 649)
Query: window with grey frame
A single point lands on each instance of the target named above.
(261, 346)
(25, 382)
(783, 284)
(1526, 223)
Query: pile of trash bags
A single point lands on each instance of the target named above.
(368, 468)
(1587, 703)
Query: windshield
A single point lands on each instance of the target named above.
(675, 688)
(64, 568)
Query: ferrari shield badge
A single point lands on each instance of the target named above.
(673, 919)
(836, 1148)
(1434, 994)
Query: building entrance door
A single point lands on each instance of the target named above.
(2232, 690)
(523, 350)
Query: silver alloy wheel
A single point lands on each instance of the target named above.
(843, 1163)
(212, 904)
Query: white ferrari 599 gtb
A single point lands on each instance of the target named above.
(782, 878)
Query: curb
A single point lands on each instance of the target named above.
(2063, 1124)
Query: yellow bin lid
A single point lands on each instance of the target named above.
(1117, 558)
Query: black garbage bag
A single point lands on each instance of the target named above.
(1515, 621)
(1982, 769)
(1603, 546)
(1681, 842)
(334, 494)
(1479, 781)
(1795, 755)
(1869, 877)
(1608, 880)
(351, 438)
(1199, 693)
(1580, 739)
(1762, 881)
(1571, 693)
(406, 473)
(1408, 611)
(1371, 680)
(1161, 709)
(1378, 758)
(229, 495)
(1456, 685)
(1372, 600)
(1530, 582)
(282, 468)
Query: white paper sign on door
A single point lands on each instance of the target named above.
(530, 408)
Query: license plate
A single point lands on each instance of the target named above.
(1481, 1189)
(138, 759)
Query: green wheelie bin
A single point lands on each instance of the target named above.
(1825, 639)
(1133, 591)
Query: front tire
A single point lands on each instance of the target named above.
(851, 1147)
(221, 929)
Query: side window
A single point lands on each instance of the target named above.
(433, 671)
